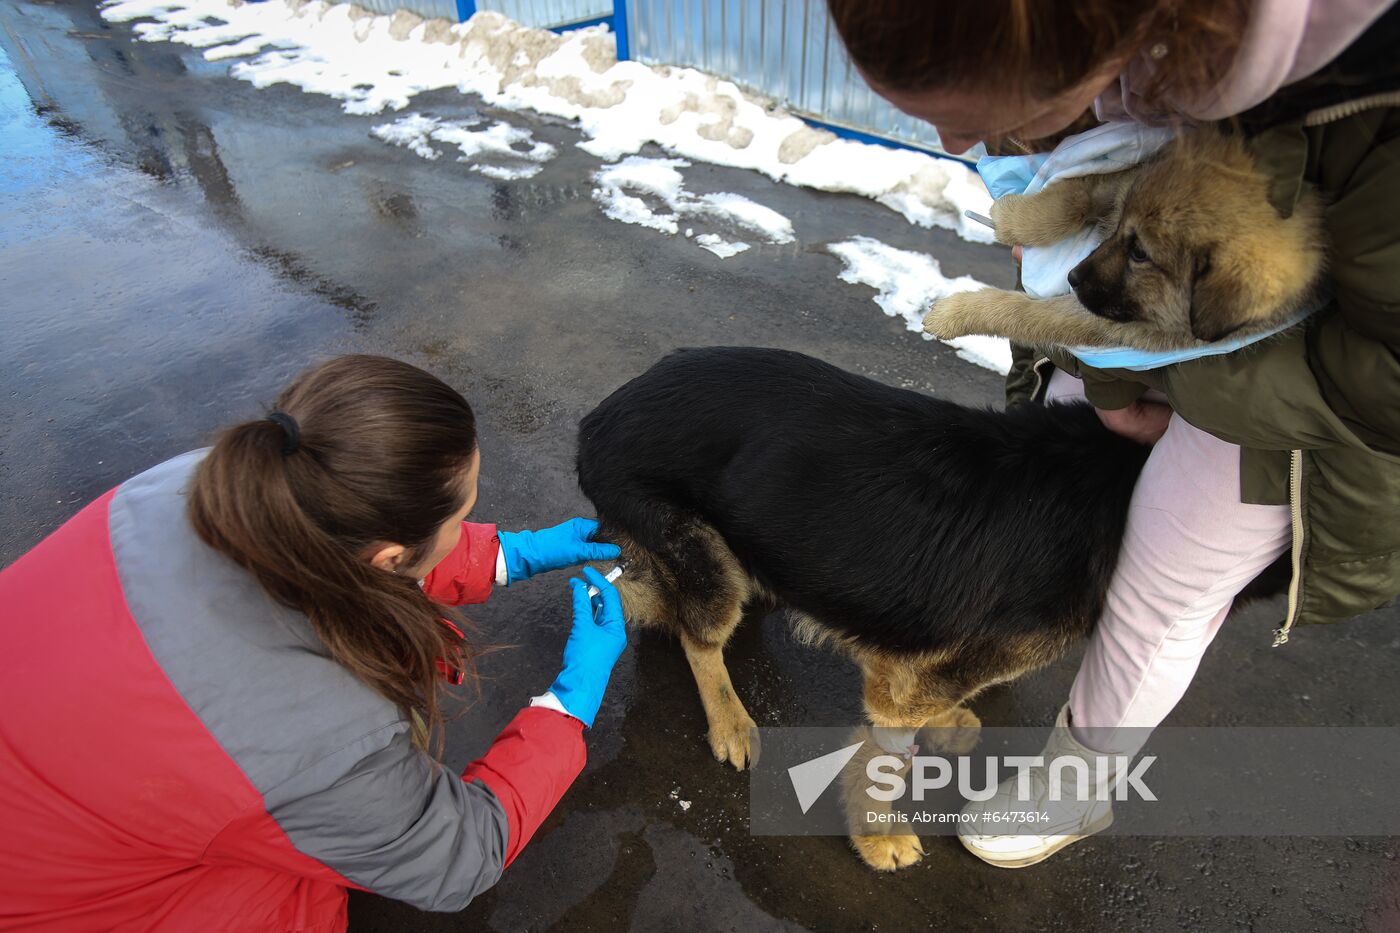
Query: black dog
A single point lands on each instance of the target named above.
(945, 548)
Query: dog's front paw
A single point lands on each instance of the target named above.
(953, 316)
(735, 740)
(888, 853)
(1004, 213)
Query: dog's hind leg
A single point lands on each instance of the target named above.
(693, 586)
(712, 589)
(733, 735)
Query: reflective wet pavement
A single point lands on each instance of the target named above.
(175, 244)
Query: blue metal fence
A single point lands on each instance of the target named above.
(785, 49)
(551, 14)
(541, 14)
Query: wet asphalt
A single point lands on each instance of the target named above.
(174, 245)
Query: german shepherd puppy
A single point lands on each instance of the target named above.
(1194, 253)
(943, 548)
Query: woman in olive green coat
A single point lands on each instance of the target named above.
(1290, 447)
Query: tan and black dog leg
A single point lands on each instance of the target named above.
(733, 734)
(878, 839)
(900, 696)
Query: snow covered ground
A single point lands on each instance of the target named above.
(907, 283)
(373, 63)
(492, 151)
(623, 185)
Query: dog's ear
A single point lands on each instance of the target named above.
(1216, 296)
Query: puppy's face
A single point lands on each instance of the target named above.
(1196, 249)
(1154, 266)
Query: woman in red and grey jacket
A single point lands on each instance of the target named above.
(220, 678)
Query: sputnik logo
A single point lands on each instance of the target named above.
(811, 778)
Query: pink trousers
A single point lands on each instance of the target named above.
(1189, 548)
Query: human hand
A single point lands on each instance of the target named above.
(532, 552)
(595, 643)
(1142, 421)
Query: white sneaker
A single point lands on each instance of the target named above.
(1057, 822)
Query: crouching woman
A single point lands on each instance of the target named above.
(220, 678)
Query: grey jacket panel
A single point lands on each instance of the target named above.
(332, 758)
(401, 824)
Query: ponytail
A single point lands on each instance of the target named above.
(362, 451)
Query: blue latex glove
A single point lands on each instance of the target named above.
(530, 552)
(594, 645)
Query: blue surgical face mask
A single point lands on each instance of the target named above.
(1005, 175)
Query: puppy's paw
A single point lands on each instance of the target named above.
(735, 740)
(955, 732)
(888, 853)
(954, 316)
(1006, 213)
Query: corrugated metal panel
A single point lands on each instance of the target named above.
(542, 14)
(786, 49)
(547, 14)
(433, 9)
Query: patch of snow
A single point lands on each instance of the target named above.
(411, 132)
(375, 62)
(719, 246)
(622, 186)
(497, 142)
(506, 173)
(907, 283)
(751, 215)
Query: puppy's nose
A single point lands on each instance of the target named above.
(1075, 277)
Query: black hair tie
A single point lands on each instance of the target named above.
(289, 427)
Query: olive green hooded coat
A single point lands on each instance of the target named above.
(1317, 409)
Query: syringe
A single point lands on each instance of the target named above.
(610, 576)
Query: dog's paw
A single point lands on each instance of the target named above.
(735, 740)
(888, 853)
(955, 732)
(952, 316)
(1004, 218)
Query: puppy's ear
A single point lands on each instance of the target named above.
(1216, 296)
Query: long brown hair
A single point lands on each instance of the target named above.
(381, 457)
(1037, 48)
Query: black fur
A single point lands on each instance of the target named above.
(907, 522)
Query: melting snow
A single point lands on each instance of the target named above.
(908, 283)
(719, 246)
(623, 185)
(373, 63)
(497, 142)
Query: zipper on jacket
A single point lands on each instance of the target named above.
(1295, 458)
(1295, 514)
(1039, 379)
(1351, 108)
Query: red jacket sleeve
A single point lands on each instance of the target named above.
(467, 574)
(529, 767)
